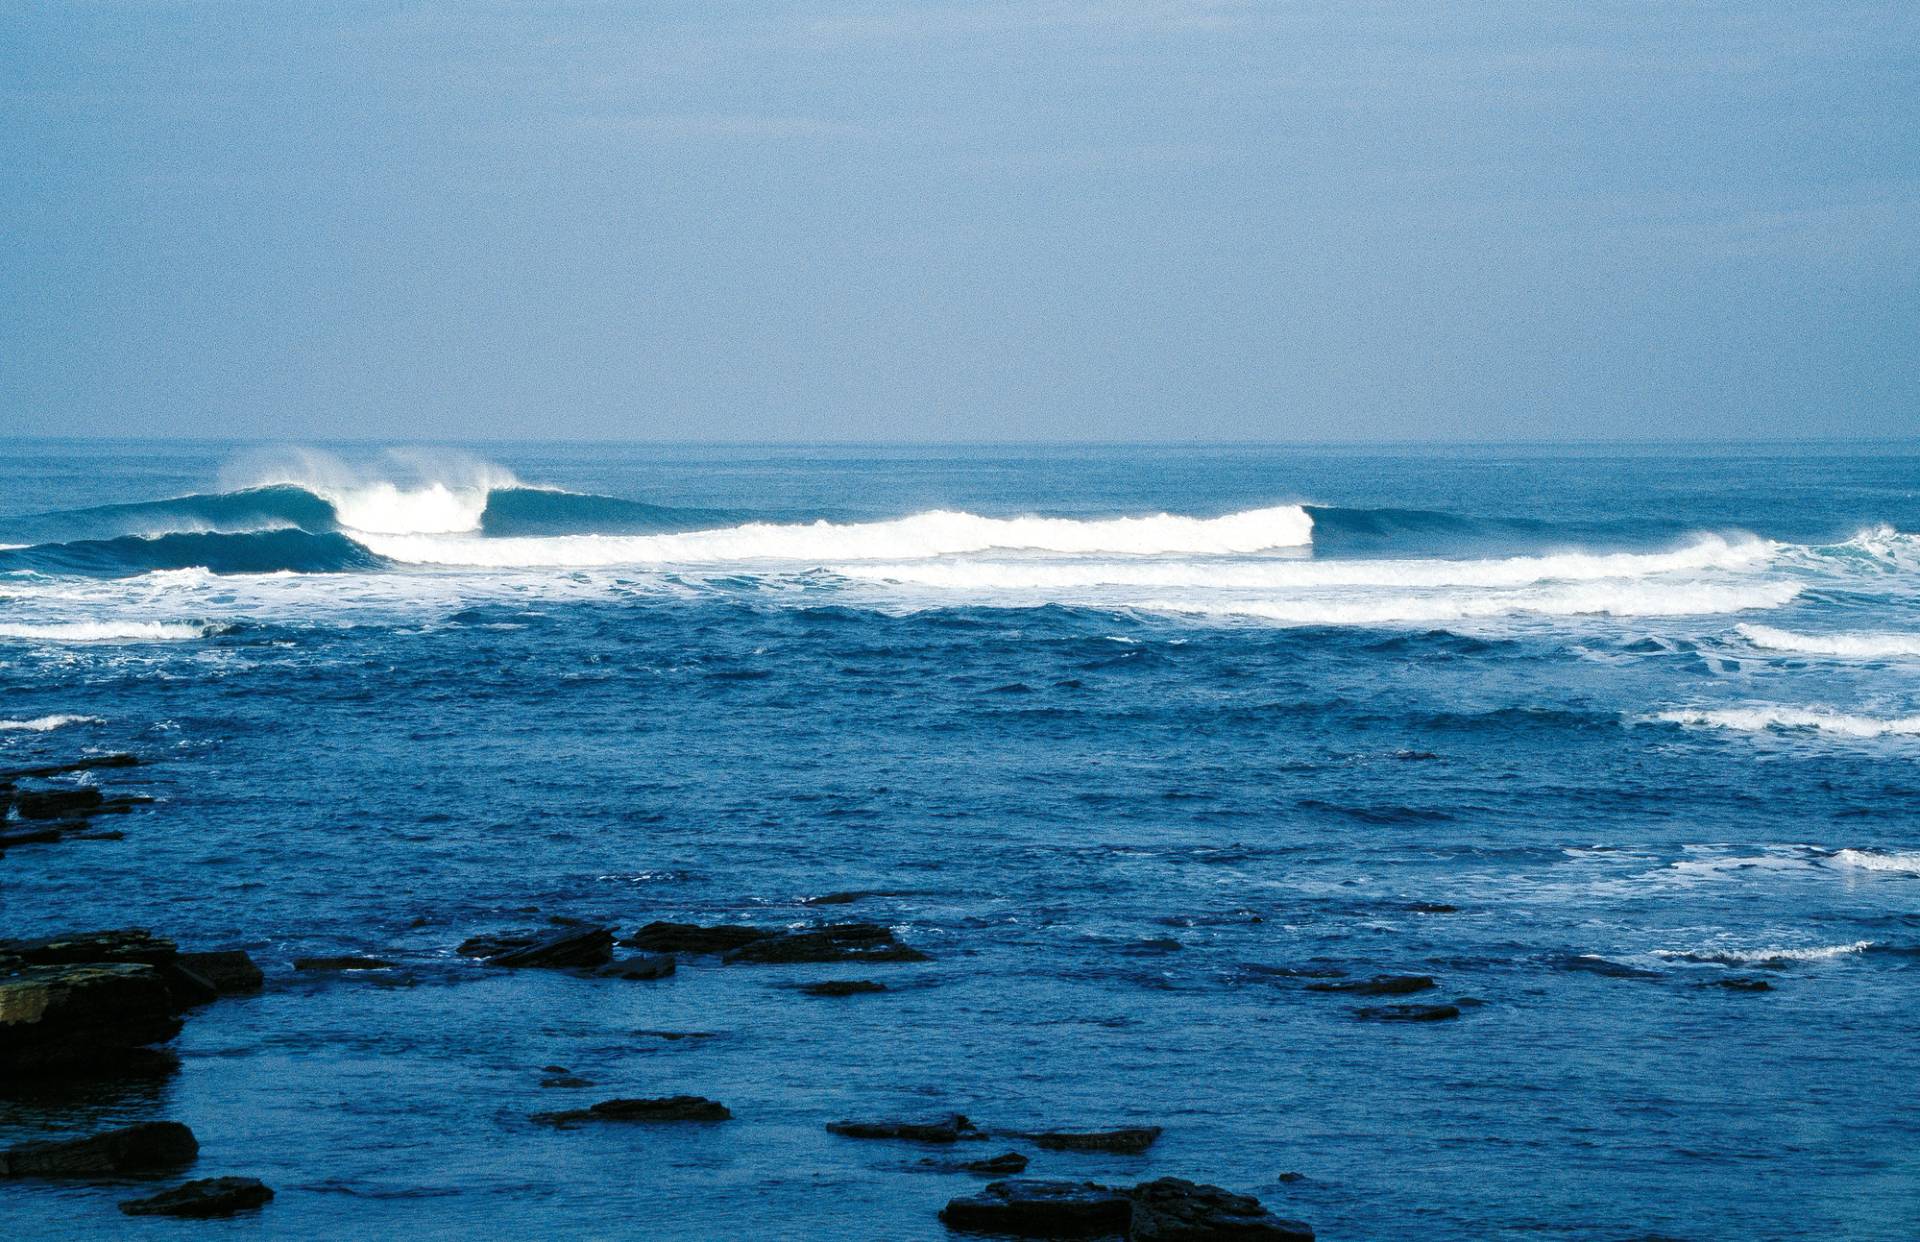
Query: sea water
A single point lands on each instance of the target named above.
(1135, 743)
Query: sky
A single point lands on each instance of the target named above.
(1100, 220)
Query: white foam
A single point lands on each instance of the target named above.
(1762, 717)
(1613, 599)
(437, 492)
(105, 631)
(1874, 646)
(1906, 862)
(1775, 953)
(46, 724)
(938, 533)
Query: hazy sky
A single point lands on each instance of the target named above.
(1085, 220)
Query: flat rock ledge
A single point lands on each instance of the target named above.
(151, 1147)
(948, 1129)
(665, 1109)
(204, 1199)
(1170, 1209)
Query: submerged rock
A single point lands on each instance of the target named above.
(842, 987)
(566, 1080)
(1173, 1209)
(1592, 964)
(86, 763)
(343, 963)
(836, 942)
(1032, 1208)
(230, 972)
(1379, 985)
(669, 1108)
(646, 966)
(1740, 984)
(1002, 1165)
(202, 1199)
(150, 1147)
(1129, 1141)
(1407, 1013)
(692, 938)
(948, 1129)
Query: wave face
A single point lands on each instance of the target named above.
(256, 552)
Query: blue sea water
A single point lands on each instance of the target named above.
(1122, 736)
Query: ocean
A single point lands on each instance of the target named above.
(1152, 752)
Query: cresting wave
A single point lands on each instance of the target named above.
(46, 724)
(1761, 718)
(938, 533)
(1879, 646)
(1904, 862)
(1766, 956)
(106, 632)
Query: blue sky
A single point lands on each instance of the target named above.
(930, 221)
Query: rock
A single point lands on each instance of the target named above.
(842, 987)
(207, 1197)
(1590, 964)
(84, 764)
(837, 899)
(998, 1166)
(566, 1080)
(1407, 1013)
(12, 837)
(131, 944)
(1173, 1209)
(188, 988)
(343, 963)
(837, 942)
(56, 803)
(1379, 985)
(670, 1108)
(692, 938)
(646, 966)
(1029, 1208)
(1431, 907)
(1128, 1142)
(674, 1036)
(592, 946)
(1740, 984)
(948, 1129)
(83, 1016)
(230, 971)
(1292, 972)
(150, 1147)
(1152, 947)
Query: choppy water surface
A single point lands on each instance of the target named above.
(1582, 734)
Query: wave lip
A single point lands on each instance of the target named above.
(107, 632)
(1905, 862)
(46, 724)
(936, 533)
(1872, 646)
(1766, 956)
(1761, 718)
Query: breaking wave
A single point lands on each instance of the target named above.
(1878, 646)
(1906, 862)
(46, 724)
(106, 632)
(1764, 717)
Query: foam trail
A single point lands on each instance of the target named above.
(46, 724)
(938, 533)
(1874, 646)
(1751, 957)
(1601, 599)
(1759, 719)
(1904, 862)
(105, 632)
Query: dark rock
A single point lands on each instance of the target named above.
(1741, 984)
(1173, 1209)
(1407, 1013)
(838, 942)
(11, 837)
(692, 938)
(187, 987)
(675, 1036)
(1589, 964)
(842, 987)
(202, 1199)
(1291, 1177)
(647, 966)
(1379, 985)
(126, 945)
(230, 971)
(493, 946)
(566, 1080)
(55, 803)
(568, 950)
(83, 764)
(1431, 907)
(1129, 1142)
(1293, 972)
(948, 1129)
(83, 1017)
(348, 962)
(837, 899)
(150, 1147)
(670, 1108)
(1003, 1165)
(1161, 944)
(1041, 1209)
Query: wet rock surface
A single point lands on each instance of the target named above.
(1379, 985)
(324, 965)
(1172, 1209)
(578, 949)
(1035, 1208)
(842, 987)
(691, 938)
(837, 942)
(665, 1109)
(151, 1147)
(643, 966)
(1129, 1141)
(204, 1199)
(1407, 1013)
(948, 1129)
